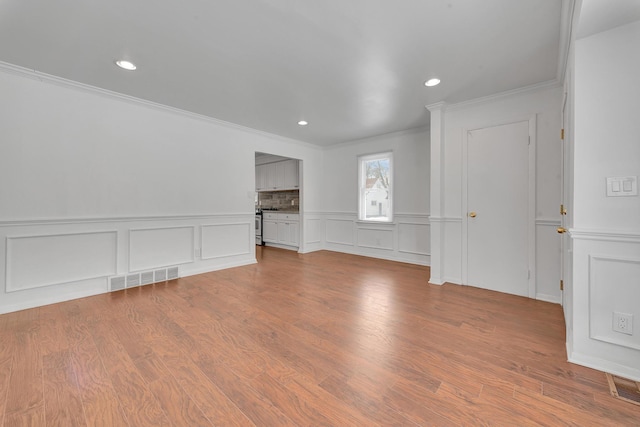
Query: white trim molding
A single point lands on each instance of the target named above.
(632, 236)
(602, 365)
(91, 220)
(548, 222)
(435, 219)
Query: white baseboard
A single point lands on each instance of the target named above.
(604, 365)
(549, 298)
(184, 272)
(382, 254)
(54, 299)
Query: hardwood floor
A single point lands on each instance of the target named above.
(322, 339)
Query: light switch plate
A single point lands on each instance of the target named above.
(622, 186)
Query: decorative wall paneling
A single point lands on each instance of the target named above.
(227, 239)
(151, 248)
(606, 270)
(35, 261)
(340, 231)
(311, 234)
(48, 261)
(406, 239)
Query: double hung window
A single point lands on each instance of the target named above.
(375, 183)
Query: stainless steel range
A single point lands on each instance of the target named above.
(259, 228)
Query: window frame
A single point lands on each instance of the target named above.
(362, 183)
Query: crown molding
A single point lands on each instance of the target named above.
(71, 84)
(410, 131)
(538, 87)
(436, 106)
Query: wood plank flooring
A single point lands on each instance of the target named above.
(322, 339)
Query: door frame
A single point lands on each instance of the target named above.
(531, 218)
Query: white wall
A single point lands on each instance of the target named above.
(90, 181)
(407, 238)
(544, 103)
(606, 230)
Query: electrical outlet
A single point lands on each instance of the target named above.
(623, 323)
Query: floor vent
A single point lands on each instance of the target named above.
(117, 283)
(624, 389)
(160, 275)
(172, 273)
(133, 280)
(146, 278)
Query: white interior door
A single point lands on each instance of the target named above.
(498, 221)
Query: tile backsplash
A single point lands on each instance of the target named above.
(280, 200)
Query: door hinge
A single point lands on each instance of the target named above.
(562, 285)
(562, 134)
(563, 210)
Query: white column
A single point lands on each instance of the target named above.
(437, 192)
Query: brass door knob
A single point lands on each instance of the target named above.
(561, 230)
(472, 214)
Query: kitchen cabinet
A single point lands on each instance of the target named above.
(269, 230)
(266, 177)
(281, 228)
(277, 176)
(260, 177)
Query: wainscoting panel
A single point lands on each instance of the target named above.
(47, 260)
(406, 239)
(375, 238)
(609, 278)
(606, 267)
(223, 240)
(313, 230)
(414, 238)
(160, 247)
(339, 231)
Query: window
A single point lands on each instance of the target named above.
(375, 183)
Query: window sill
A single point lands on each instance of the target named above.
(363, 221)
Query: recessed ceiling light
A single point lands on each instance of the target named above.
(126, 65)
(303, 122)
(432, 82)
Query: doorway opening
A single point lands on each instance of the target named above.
(278, 201)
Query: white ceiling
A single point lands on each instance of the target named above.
(352, 68)
(601, 15)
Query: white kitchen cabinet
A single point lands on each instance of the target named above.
(291, 174)
(265, 177)
(270, 176)
(277, 176)
(261, 177)
(270, 231)
(288, 233)
(281, 228)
